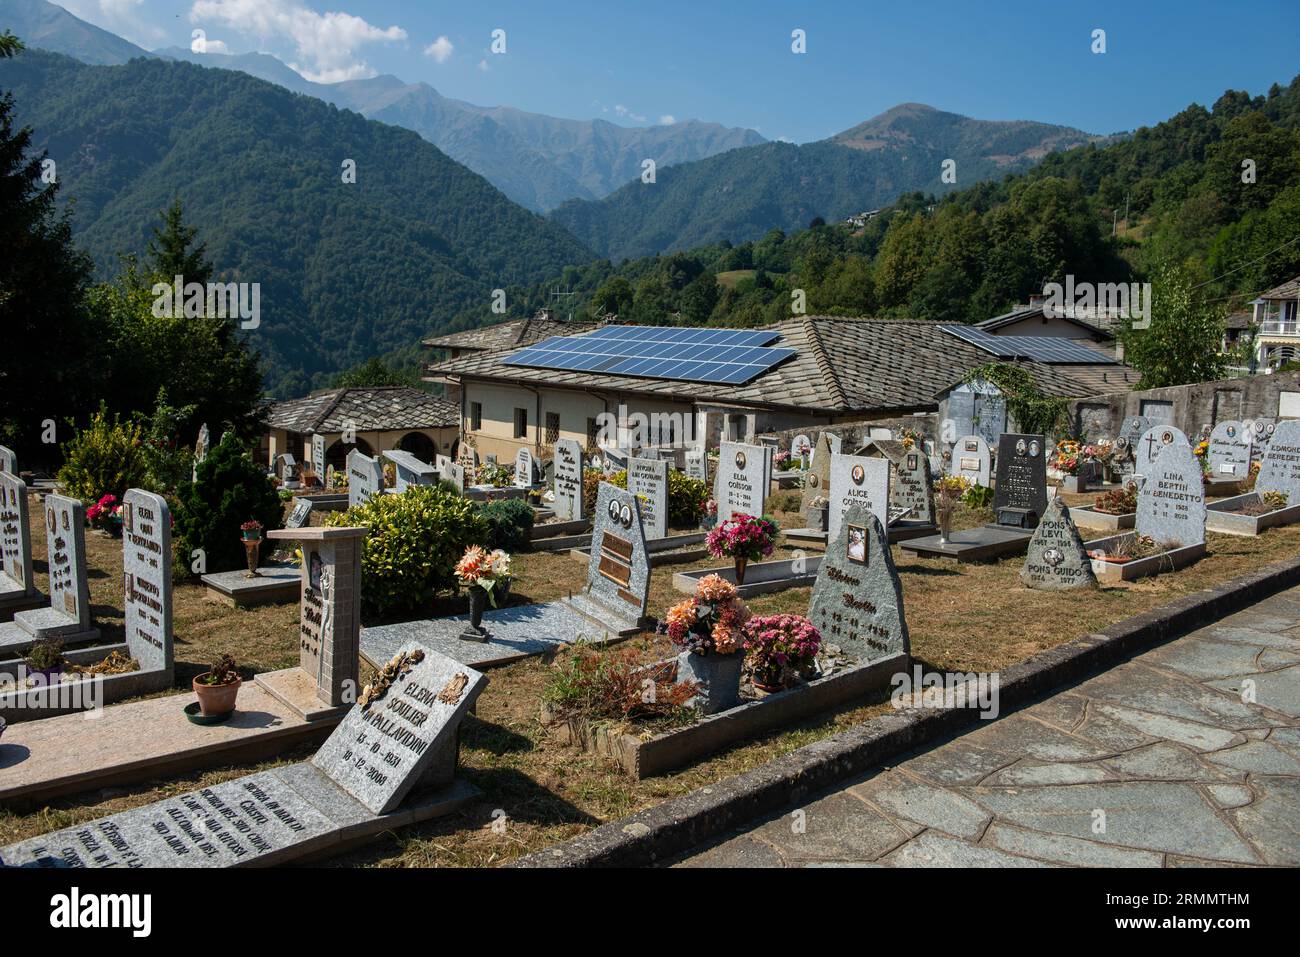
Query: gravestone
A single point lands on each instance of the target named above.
(857, 600)
(385, 746)
(697, 463)
(801, 449)
(454, 473)
(1133, 428)
(68, 613)
(365, 478)
(329, 622)
(972, 460)
(16, 582)
(147, 576)
(648, 480)
(8, 461)
(911, 493)
(523, 469)
(1262, 431)
(201, 446)
(743, 480)
(857, 480)
(978, 408)
(1152, 444)
(300, 514)
(286, 467)
(817, 484)
(1279, 470)
(329, 476)
(318, 456)
(568, 481)
(409, 470)
(618, 572)
(1229, 451)
(1020, 498)
(467, 456)
(1057, 560)
(1171, 502)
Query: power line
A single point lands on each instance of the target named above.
(1293, 239)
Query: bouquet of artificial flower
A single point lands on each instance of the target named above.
(780, 646)
(743, 536)
(711, 622)
(483, 569)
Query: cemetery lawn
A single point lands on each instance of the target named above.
(961, 618)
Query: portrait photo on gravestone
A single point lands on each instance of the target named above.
(687, 437)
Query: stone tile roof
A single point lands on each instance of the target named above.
(1239, 320)
(380, 408)
(1102, 378)
(840, 366)
(507, 335)
(1030, 312)
(1288, 290)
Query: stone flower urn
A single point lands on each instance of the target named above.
(717, 679)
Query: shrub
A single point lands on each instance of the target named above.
(977, 496)
(415, 540)
(686, 496)
(230, 489)
(611, 684)
(105, 458)
(509, 522)
(168, 463)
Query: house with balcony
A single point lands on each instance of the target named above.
(1276, 319)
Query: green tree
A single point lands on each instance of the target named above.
(1184, 339)
(48, 362)
(376, 372)
(173, 252)
(229, 489)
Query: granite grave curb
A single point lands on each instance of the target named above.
(660, 833)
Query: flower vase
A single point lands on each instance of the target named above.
(716, 677)
(944, 512)
(478, 600)
(252, 548)
(741, 565)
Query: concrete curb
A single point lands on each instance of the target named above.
(661, 832)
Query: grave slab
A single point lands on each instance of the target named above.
(274, 585)
(1221, 516)
(514, 633)
(972, 544)
(760, 577)
(1088, 516)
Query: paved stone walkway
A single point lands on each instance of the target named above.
(1157, 762)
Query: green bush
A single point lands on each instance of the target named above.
(229, 490)
(105, 458)
(415, 540)
(686, 496)
(509, 522)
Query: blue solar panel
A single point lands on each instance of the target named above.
(724, 356)
(1052, 350)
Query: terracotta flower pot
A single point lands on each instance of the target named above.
(216, 699)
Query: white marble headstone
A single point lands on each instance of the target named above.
(523, 468)
(8, 461)
(743, 480)
(147, 576)
(648, 480)
(365, 477)
(858, 480)
(568, 480)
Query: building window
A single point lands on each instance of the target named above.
(521, 423)
(552, 427)
(593, 435)
(475, 416)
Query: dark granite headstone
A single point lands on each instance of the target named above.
(857, 600)
(1057, 560)
(1020, 498)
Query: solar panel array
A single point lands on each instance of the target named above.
(720, 356)
(1048, 349)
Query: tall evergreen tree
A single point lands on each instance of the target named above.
(173, 251)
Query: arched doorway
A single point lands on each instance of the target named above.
(337, 454)
(419, 445)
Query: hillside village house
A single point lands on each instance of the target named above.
(842, 370)
(373, 420)
(1276, 319)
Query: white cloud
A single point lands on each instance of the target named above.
(667, 120)
(624, 112)
(326, 45)
(215, 46)
(483, 66)
(440, 49)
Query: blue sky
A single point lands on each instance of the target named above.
(731, 62)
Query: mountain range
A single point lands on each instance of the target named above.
(346, 270)
(741, 194)
(538, 161)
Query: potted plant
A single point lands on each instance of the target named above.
(781, 649)
(1118, 501)
(251, 531)
(742, 538)
(45, 658)
(707, 629)
(948, 490)
(486, 575)
(218, 687)
(251, 535)
(817, 514)
(106, 515)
